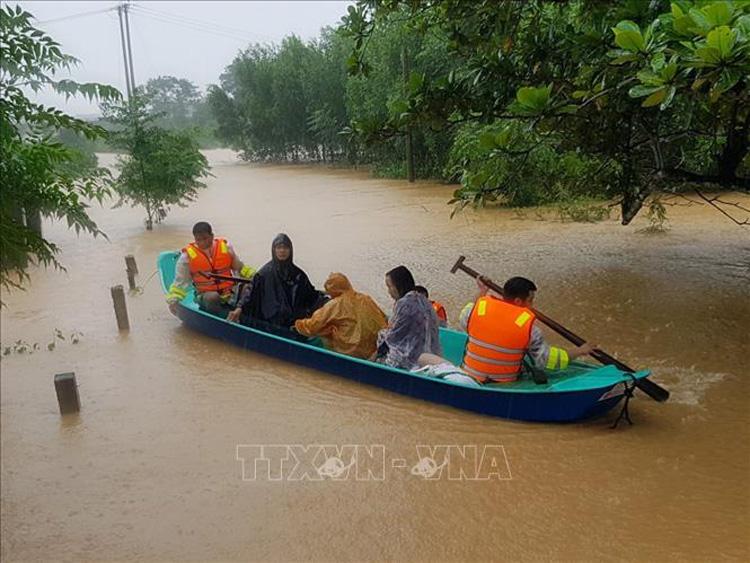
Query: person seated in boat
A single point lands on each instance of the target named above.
(281, 292)
(413, 328)
(439, 309)
(503, 329)
(207, 254)
(348, 323)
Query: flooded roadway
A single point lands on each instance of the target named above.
(148, 469)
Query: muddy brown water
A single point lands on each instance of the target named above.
(149, 468)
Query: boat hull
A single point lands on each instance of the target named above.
(563, 402)
(541, 407)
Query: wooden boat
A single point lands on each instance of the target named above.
(581, 391)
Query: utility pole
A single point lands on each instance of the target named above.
(130, 53)
(124, 52)
(409, 148)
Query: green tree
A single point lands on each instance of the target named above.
(161, 168)
(83, 153)
(295, 101)
(379, 99)
(180, 106)
(284, 102)
(33, 173)
(651, 97)
(174, 99)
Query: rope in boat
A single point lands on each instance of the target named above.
(624, 413)
(139, 289)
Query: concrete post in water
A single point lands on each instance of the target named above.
(121, 309)
(132, 270)
(67, 393)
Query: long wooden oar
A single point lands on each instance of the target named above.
(653, 390)
(226, 278)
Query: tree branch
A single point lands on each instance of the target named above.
(714, 201)
(695, 178)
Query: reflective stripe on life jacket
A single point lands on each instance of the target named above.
(219, 263)
(499, 335)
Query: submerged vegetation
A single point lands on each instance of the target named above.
(40, 176)
(47, 163)
(576, 104)
(522, 103)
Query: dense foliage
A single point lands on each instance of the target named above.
(653, 95)
(38, 174)
(522, 102)
(180, 106)
(295, 101)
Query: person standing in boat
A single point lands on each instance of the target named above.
(348, 323)
(281, 292)
(413, 328)
(436, 305)
(502, 330)
(207, 254)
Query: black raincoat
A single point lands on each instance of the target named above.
(281, 292)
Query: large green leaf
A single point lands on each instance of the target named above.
(668, 98)
(534, 99)
(655, 99)
(642, 90)
(727, 80)
(743, 25)
(503, 138)
(702, 25)
(650, 78)
(486, 141)
(709, 56)
(722, 39)
(628, 36)
(718, 13)
(628, 25)
(683, 25)
(622, 59)
(669, 71)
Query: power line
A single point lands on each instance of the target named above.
(175, 20)
(193, 27)
(74, 16)
(205, 23)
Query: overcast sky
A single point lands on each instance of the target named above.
(193, 40)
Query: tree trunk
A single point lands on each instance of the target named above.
(149, 217)
(409, 149)
(34, 220)
(23, 261)
(633, 194)
(736, 147)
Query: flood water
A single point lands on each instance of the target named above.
(149, 468)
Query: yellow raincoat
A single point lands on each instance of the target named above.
(348, 323)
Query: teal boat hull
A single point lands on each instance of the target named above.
(580, 392)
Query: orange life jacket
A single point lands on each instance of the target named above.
(499, 335)
(219, 263)
(440, 310)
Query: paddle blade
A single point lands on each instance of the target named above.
(458, 264)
